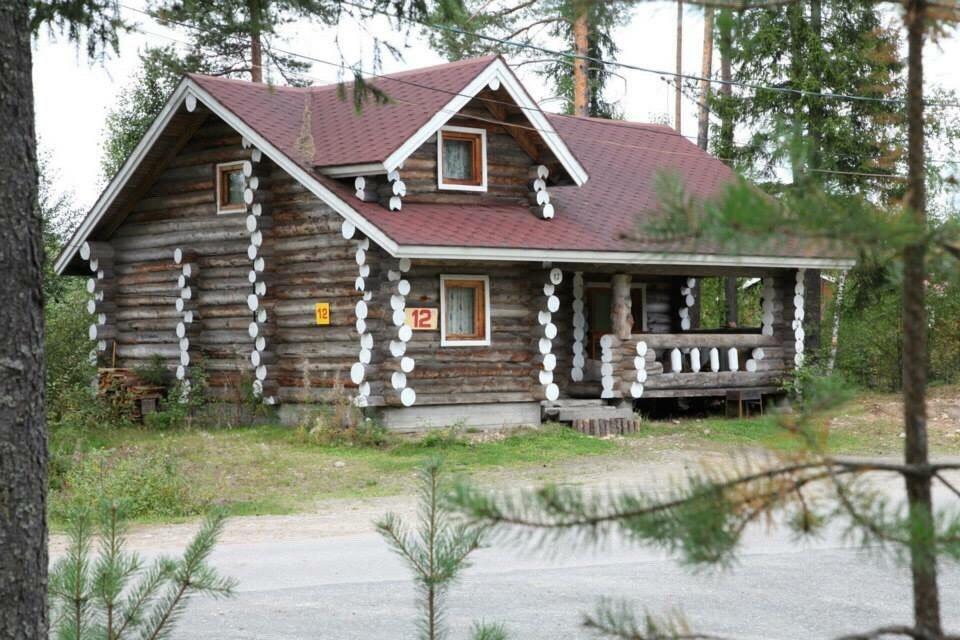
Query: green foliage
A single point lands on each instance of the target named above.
(713, 303)
(154, 372)
(184, 405)
(150, 485)
(141, 100)
(115, 594)
(98, 21)
(845, 47)
(222, 30)
(437, 552)
(330, 431)
(540, 24)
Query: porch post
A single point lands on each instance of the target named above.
(621, 306)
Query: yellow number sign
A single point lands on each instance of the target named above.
(421, 319)
(323, 312)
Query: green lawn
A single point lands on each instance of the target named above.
(274, 469)
(269, 469)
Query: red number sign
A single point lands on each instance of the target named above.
(421, 319)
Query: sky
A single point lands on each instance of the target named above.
(73, 96)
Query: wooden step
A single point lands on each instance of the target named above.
(607, 426)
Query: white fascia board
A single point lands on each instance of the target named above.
(159, 124)
(296, 171)
(499, 70)
(354, 170)
(617, 257)
(109, 194)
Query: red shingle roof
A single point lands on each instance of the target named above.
(623, 161)
(340, 135)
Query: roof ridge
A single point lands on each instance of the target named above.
(333, 85)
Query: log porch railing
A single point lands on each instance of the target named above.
(689, 364)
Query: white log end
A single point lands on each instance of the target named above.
(357, 372)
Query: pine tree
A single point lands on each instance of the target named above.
(114, 594)
(703, 519)
(437, 552)
(23, 451)
(839, 46)
(584, 29)
(236, 37)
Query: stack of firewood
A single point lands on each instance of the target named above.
(128, 393)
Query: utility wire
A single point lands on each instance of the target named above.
(623, 65)
(649, 128)
(527, 127)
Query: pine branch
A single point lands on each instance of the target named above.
(616, 619)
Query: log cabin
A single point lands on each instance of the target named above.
(453, 255)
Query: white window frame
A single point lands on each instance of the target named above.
(483, 160)
(444, 342)
(633, 285)
(225, 209)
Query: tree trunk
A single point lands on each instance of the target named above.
(706, 69)
(256, 42)
(678, 87)
(724, 149)
(817, 114)
(835, 331)
(23, 441)
(581, 84)
(730, 289)
(923, 559)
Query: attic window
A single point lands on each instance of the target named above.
(462, 159)
(230, 186)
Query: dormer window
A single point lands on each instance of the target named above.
(462, 159)
(230, 186)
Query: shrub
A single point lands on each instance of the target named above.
(151, 485)
(328, 430)
(70, 373)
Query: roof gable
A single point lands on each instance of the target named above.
(321, 129)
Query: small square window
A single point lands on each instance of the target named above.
(230, 187)
(462, 158)
(465, 311)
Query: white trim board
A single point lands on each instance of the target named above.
(429, 252)
(500, 71)
(487, 320)
(189, 87)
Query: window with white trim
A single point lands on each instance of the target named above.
(462, 159)
(230, 186)
(464, 310)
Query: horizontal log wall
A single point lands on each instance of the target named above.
(505, 371)
(507, 167)
(178, 210)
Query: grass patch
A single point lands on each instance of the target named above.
(761, 432)
(275, 470)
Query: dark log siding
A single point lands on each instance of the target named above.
(179, 210)
(507, 167)
(501, 372)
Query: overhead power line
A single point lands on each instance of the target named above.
(492, 120)
(623, 65)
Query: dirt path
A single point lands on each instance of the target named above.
(647, 466)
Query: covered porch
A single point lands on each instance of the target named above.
(640, 335)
